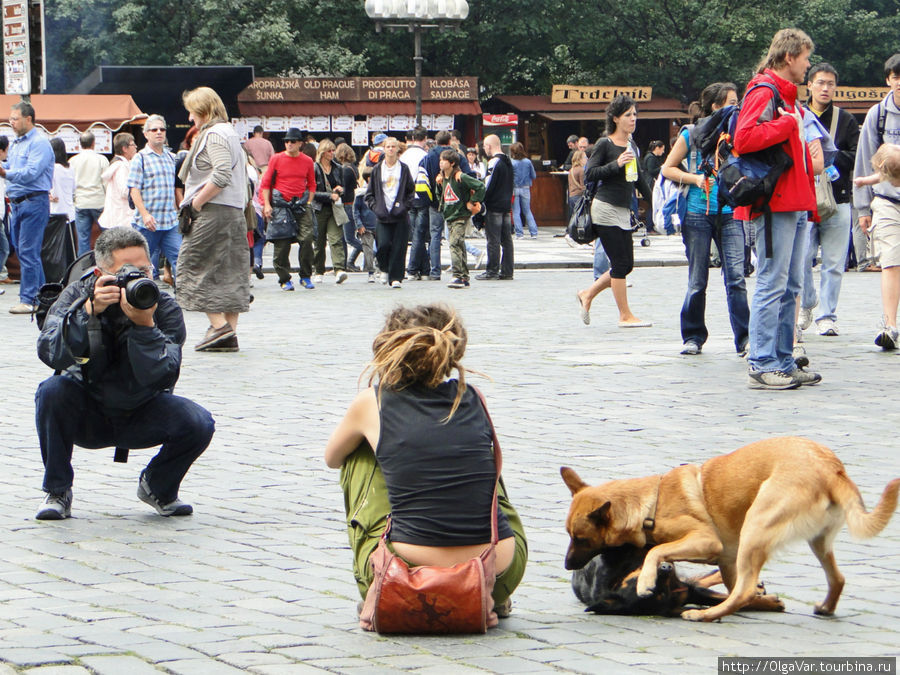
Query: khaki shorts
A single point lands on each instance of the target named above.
(886, 232)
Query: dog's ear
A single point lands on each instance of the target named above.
(572, 480)
(600, 516)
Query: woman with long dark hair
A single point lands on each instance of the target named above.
(702, 224)
(432, 468)
(614, 166)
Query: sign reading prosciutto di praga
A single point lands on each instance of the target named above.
(360, 89)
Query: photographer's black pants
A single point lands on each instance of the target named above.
(67, 415)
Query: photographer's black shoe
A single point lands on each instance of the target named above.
(174, 508)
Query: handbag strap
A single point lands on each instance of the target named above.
(498, 460)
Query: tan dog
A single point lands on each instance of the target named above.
(733, 511)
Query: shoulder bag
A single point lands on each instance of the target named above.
(826, 206)
(337, 207)
(429, 599)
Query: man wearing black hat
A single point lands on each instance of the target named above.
(286, 184)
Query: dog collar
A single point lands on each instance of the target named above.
(650, 520)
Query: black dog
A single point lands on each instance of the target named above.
(607, 585)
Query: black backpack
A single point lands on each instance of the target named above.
(50, 292)
(747, 179)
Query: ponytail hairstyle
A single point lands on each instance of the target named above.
(419, 346)
(715, 94)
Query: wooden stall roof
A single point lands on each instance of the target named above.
(81, 111)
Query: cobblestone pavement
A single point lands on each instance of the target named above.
(258, 579)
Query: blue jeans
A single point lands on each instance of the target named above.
(697, 231)
(419, 228)
(522, 205)
(66, 415)
(167, 241)
(778, 283)
(436, 225)
(26, 228)
(84, 225)
(834, 236)
(601, 260)
(259, 240)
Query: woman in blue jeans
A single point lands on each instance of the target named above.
(700, 227)
(523, 177)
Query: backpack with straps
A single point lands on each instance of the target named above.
(747, 179)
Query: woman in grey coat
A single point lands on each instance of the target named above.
(212, 264)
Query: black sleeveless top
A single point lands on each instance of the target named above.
(440, 476)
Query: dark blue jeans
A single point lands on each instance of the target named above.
(67, 415)
(697, 232)
(498, 228)
(421, 234)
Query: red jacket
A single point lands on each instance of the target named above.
(795, 189)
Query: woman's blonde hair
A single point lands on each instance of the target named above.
(787, 42)
(205, 102)
(578, 158)
(324, 146)
(419, 346)
(886, 162)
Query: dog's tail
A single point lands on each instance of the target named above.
(860, 523)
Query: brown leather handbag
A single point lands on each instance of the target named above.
(429, 599)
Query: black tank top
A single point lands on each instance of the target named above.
(440, 476)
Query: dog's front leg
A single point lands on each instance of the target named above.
(698, 547)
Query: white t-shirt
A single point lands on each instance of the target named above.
(390, 183)
(63, 192)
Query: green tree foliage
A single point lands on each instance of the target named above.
(512, 46)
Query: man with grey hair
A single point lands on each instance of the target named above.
(151, 180)
(115, 389)
(90, 192)
(29, 177)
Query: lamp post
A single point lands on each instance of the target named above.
(415, 16)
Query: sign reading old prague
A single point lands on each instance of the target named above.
(569, 93)
(291, 89)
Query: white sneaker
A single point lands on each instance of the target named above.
(804, 320)
(55, 507)
(396, 284)
(317, 279)
(384, 278)
(827, 327)
(341, 276)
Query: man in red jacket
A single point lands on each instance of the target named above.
(763, 123)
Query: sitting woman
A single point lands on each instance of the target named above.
(435, 471)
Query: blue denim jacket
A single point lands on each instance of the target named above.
(362, 214)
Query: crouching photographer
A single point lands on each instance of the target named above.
(115, 343)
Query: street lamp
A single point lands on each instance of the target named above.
(416, 15)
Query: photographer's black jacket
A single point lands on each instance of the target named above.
(139, 362)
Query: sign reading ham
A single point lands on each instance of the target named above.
(360, 89)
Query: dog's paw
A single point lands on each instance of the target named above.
(692, 615)
(777, 603)
(645, 585)
(821, 610)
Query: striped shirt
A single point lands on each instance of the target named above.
(154, 175)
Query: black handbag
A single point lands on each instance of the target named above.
(580, 228)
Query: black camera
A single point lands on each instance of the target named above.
(141, 292)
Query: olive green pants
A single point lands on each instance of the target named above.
(367, 507)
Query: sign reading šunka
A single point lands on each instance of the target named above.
(570, 93)
(360, 89)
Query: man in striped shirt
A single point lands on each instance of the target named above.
(151, 182)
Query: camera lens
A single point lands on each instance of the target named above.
(142, 293)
